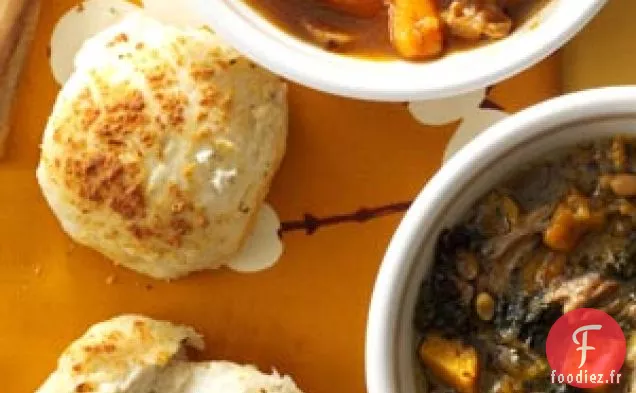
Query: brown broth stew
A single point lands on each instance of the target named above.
(362, 27)
(557, 236)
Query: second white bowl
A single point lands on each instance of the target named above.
(391, 362)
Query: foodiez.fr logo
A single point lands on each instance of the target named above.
(586, 349)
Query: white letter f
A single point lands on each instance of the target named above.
(584, 347)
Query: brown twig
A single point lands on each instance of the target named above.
(310, 223)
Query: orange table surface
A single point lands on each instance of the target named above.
(307, 315)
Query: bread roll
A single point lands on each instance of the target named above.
(124, 354)
(18, 20)
(135, 354)
(161, 147)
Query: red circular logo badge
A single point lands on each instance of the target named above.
(586, 348)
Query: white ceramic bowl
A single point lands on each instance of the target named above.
(391, 364)
(397, 80)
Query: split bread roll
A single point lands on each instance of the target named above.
(162, 146)
(18, 20)
(136, 354)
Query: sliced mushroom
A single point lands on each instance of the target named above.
(471, 20)
(530, 224)
(328, 36)
(581, 291)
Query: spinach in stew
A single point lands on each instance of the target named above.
(557, 236)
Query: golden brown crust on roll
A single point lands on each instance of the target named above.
(162, 146)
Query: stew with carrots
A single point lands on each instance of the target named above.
(411, 29)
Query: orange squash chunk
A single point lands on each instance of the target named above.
(451, 362)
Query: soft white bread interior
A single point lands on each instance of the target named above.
(18, 21)
(135, 354)
(162, 146)
(221, 377)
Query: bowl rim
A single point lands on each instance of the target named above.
(291, 58)
(401, 255)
